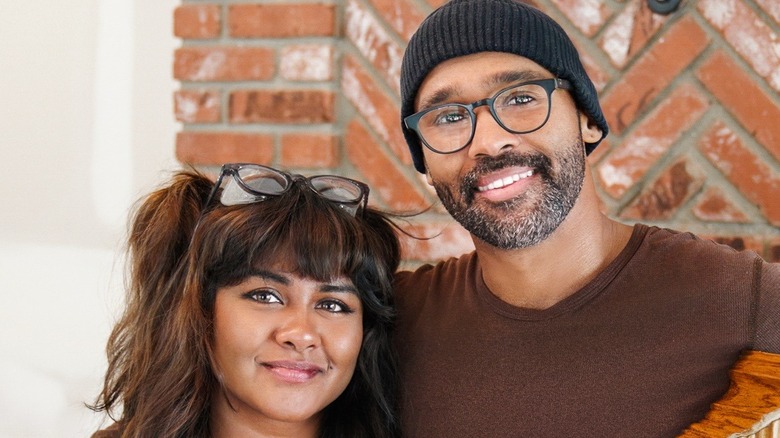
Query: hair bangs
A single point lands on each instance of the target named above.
(307, 234)
(315, 240)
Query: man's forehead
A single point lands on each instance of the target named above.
(484, 72)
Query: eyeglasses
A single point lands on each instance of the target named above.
(519, 109)
(244, 183)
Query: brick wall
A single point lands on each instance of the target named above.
(692, 99)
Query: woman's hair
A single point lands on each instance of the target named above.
(160, 380)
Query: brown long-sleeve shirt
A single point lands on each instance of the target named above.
(643, 350)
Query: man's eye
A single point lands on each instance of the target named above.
(263, 296)
(446, 116)
(334, 306)
(518, 99)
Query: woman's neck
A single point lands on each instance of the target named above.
(241, 421)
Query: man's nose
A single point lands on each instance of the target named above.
(490, 138)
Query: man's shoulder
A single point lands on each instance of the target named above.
(682, 244)
(669, 255)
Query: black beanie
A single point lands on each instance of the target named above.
(464, 27)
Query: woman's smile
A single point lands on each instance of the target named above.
(293, 371)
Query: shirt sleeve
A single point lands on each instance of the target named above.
(767, 319)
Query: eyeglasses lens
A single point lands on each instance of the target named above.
(336, 189)
(262, 180)
(524, 108)
(520, 109)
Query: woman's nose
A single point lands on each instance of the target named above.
(297, 331)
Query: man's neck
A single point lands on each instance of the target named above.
(541, 276)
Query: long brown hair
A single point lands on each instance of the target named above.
(181, 252)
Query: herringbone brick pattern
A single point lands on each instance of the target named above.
(692, 100)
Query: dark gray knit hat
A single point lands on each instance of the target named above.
(464, 27)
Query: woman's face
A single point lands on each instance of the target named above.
(285, 346)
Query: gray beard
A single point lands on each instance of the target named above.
(539, 211)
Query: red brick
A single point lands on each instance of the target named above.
(744, 99)
(749, 36)
(282, 106)
(309, 150)
(380, 111)
(436, 3)
(595, 72)
(383, 176)
(600, 152)
(368, 35)
(771, 7)
(401, 15)
(223, 63)
(435, 240)
(197, 21)
(773, 250)
(664, 197)
(197, 106)
(665, 60)
(217, 148)
(281, 20)
(740, 243)
(587, 15)
(747, 171)
(715, 206)
(630, 161)
(629, 32)
(311, 62)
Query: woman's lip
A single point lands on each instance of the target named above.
(293, 371)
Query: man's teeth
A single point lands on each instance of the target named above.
(506, 181)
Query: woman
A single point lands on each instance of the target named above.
(257, 306)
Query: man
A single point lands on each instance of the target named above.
(563, 322)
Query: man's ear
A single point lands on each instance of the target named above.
(591, 133)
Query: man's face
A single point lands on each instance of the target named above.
(509, 190)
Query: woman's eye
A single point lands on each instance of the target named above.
(334, 306)
(263, 296)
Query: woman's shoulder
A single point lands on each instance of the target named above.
(113, 431)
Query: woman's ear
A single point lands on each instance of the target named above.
(591, 133)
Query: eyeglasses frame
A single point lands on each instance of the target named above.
(550, 84)
(232, 169)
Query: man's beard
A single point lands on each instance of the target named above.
(529, 218)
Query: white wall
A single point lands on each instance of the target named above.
(86, 127)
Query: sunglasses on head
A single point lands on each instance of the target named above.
(246, 183)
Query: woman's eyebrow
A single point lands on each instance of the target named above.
(340, 288)
(272, 276)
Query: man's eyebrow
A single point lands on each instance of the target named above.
(511, 76)
(501, 78)
(440, 96)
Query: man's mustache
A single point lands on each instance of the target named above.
(540, 163)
